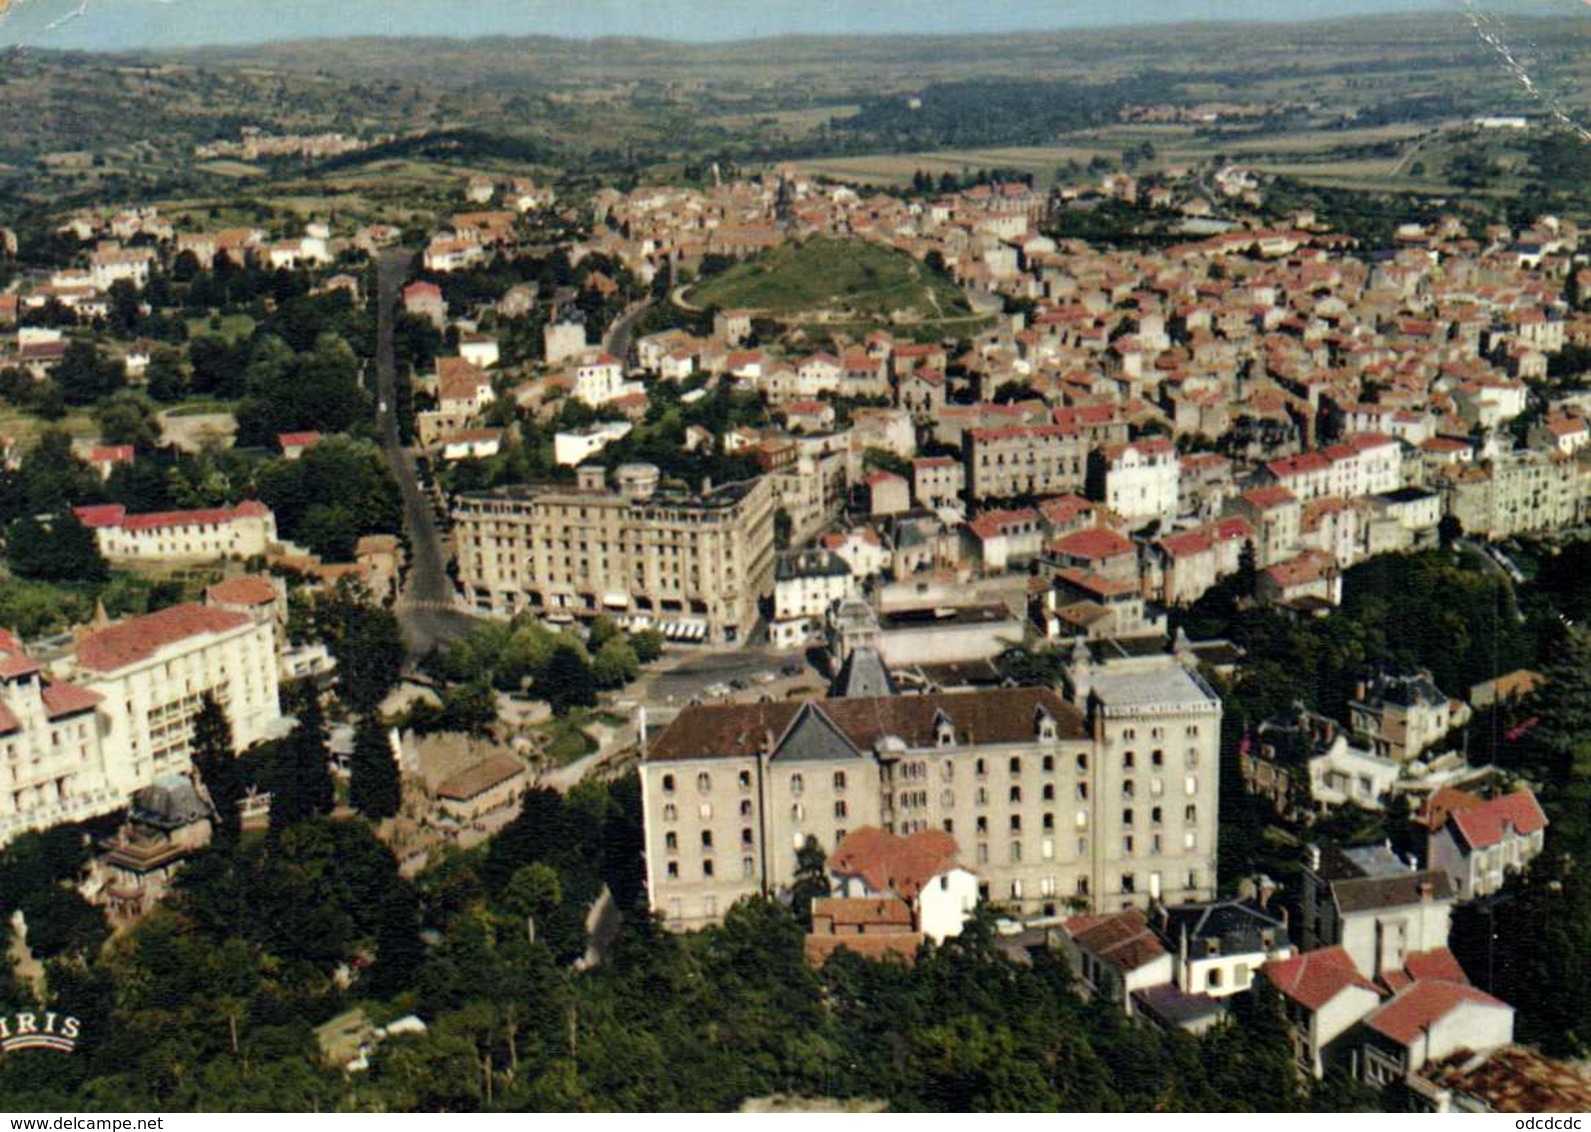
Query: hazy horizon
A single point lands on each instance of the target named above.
(111, 25)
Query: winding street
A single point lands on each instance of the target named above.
(618, 337)
(425, 608)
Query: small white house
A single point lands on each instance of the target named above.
(920, 869)
(1347, 774)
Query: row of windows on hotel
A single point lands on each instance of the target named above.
(1190, 816)
(1131, 846)
(1018, 890)
(908, 800)
(1129, 759)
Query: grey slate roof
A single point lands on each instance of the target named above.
(863, 676)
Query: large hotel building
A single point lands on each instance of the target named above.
(695, 562)
(121, 712)
(1102, 800)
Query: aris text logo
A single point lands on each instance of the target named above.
(41, 1030)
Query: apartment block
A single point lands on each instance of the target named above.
(1022, 460)
(637, 550)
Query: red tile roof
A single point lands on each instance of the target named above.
(1421, 1005)
(1314, 978)
(17, 664)
(1447, 800)
(863, 911)
(992, 524)
(100, 515)
(1122, 939)
(1094, 543)
(115, 515)
(1062, 509)
(139, 638)
(1301, 464)
(887, 863)
(251, 589)
(1266, 498)
(1485, 825)
(1301, 569)
(1187, 544)
(61, 699)
(1437, 963)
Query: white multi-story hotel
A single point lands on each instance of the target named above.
(52, 763)
(151, 674)
(214, 532)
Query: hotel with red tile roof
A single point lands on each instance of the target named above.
(152, 673)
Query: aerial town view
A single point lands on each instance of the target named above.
(795, 558)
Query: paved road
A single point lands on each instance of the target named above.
(617, 339)
(686, 673)
(425, 608)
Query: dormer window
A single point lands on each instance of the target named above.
(1044, 725)
(944, 730)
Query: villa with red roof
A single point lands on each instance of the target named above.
(921, 870)
(152, 674)
(1481, 841)
(105, 459)
(1326, 998)
(1428, 1020)
(1184, 566)
(1309, 581)
(425, 299)
(1098, 550)
(295, 444)
(243, 531)
(599, 380)
(1004, 539)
